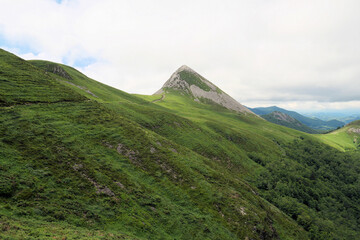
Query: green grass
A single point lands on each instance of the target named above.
(161, 190)
(81, 83)
(193, 79)
(110, 163)
(88, 168)
(276, 149)
(22, 228)
(22, 83)
(343, 139)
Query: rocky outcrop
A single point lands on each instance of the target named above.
(58, 70)
(354, 130)
(190, 82)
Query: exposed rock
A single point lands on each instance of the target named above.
(200, 88)
(168, 169)
(173, 150)
(89, 92)
(126, 152)
(120, 185)
(99, 188)
(242, 211)
(354, 130)
(103, 189)
(81, 87)
(76, 167)
(107, 144)
(58, 70)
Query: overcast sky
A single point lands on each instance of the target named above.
(300, 55)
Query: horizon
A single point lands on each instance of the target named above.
(301, 56)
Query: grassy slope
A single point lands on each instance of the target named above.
(284, 155)
(81, 84)
(83, 168)
(20, 81)
(265, 154)
(343, 139)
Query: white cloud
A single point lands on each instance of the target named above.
(285, 52)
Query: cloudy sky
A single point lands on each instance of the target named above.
(301, 55)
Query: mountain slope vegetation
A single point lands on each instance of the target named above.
(102, 163)
(88, 171)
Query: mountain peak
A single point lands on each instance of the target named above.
(184, 68)
(187, 81)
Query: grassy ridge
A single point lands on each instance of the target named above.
(22, 83)
(82, 84)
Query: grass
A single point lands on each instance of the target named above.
(157, 192)
(193, 79)
(342, 139)
(85, 167)
(22, 83)
(114, 163)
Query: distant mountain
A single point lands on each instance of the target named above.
(314, 123)
(349, 119)
(343, 116)
(288, 121)
(187, 81)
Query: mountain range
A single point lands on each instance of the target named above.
(346, 116)
(82, 160)
(314, 123)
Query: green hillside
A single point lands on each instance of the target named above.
(98, 163)
(295, 173)
(345, 138)
(87, 170)
(22, 83)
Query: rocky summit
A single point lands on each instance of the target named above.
(187, 81)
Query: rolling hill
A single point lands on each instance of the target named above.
(84, 160)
